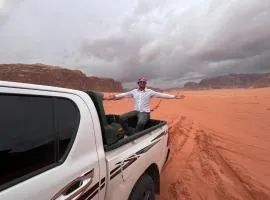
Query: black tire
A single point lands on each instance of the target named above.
(144, 189)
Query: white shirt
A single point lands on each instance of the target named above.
(142, 98)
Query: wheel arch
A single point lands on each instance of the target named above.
(153, 171)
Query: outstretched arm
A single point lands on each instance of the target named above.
(119, 96)
(163, 95)
(166, 96)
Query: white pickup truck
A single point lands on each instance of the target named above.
(58, 144)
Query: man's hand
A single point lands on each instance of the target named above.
(111, 97)
(180, 96)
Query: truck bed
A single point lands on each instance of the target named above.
(110, 125)
(151, 125)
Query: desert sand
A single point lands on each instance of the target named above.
(220, 144)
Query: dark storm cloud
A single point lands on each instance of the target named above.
(169, 42)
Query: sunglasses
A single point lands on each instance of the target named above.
(141, 82)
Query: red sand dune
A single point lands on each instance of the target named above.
(220, 142)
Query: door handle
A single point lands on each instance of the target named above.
(75, 187)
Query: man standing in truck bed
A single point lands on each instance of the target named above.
(141, 96)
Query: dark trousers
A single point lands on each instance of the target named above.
(142, 118)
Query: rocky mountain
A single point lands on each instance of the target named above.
(262, 82)
(191, 85)
(57, 76)
(232, 81)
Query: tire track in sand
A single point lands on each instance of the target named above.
(215, 171)
(182, 135)
(196, 170)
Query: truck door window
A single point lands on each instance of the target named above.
(27, 143)
(68, 118)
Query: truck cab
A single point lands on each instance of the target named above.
(59, 144)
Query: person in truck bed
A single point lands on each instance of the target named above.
(141, 96)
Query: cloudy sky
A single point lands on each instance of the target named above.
(168, 41)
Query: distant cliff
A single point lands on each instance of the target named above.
(232, 81)
(57, 76)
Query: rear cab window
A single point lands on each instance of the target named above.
(37, 133)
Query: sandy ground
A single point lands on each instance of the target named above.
(220, 142)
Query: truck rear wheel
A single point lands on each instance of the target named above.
(144, 189)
